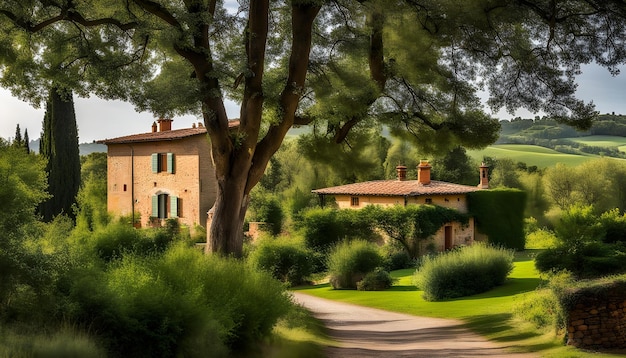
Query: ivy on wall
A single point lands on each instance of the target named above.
(499, 214)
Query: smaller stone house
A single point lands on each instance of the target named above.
(162, 174)
(402, 191)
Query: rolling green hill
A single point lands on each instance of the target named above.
(602, 141)
(530, 154)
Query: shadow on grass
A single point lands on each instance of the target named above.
(513, 286)
(494, 324)
(402, 288)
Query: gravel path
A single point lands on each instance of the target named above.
(367, 332)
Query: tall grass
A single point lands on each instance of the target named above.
(463, 272)
(63, 344)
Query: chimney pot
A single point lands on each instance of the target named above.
(165, 124)
(154, 127)
(484, 176)
(423, 172)
(401, 172)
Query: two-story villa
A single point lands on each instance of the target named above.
(406, 192)
(162, 174)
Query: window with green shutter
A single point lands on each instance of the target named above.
(162, 162)
(155, 162)
(155, 206)
(161, 206)
(173, 206)
(170, 163)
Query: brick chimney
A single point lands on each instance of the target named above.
(154, 127)
(401, 172)
(423, 172)
(484, 176)
(165, 124)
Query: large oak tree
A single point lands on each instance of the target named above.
(338, 65)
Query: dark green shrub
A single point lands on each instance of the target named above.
(350, 261)
(397, 258)
(554, 259)
(590, 260)
(286, 260)
(377, 280)
(500, 215)
(266, 208)
(614, 225)
(463, 272)
(321, 228)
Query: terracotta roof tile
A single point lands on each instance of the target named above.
(397, 188)
(161, 136)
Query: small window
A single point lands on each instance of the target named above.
(163, 162)
(429, 201)
(354, 201)
(124, 187)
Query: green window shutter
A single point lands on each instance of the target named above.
(170, 163)
(173, 206)
(155, 162)
(155, 206)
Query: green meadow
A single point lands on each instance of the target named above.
(602, 141)
(530, 154)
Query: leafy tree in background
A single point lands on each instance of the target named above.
(456, 167)
(22, 188)
(505, 175)
(91, 212)
(337, 65)
(401, 153)
(59, 145)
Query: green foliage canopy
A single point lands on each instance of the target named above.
(416, 66)
(412, 225)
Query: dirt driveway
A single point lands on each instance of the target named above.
(369, 332)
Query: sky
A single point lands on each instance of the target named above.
(98, 119)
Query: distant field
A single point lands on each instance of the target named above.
(530, 154)
(602, 141)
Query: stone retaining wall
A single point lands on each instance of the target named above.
(597, 318)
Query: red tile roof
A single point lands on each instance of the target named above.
(162, 136)
(397, 188)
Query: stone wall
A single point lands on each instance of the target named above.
(597, 317)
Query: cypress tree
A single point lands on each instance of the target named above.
(17, 142)
(26, 141)
(59, 145)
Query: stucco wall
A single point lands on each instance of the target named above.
(462, 235)
(193, 180)
(458, 202)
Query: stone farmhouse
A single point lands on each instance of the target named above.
(402, 191)
(161, 174)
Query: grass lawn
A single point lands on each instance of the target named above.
(489, 314)
(530, 154)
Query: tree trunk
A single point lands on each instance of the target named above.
(240, 158)
(225, 235)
